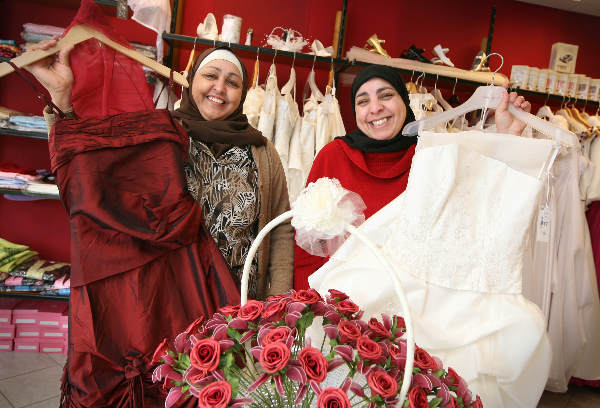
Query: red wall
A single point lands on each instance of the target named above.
(523, 34)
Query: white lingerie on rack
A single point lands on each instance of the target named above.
(287, 119)
(253, 105)
(329, 121)
(459, 235)
(302, 144)
(266, 121)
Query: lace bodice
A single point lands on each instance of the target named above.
(459, 229)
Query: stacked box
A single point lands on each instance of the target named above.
(7, 329)
(38, 326)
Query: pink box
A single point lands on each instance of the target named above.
(27, 345)
(25, 312)
(6, 345)
(50, 333)
(52, 346)
(50, 313)
(64, 322)
(6, 308)
(27, 330)
(7, 331)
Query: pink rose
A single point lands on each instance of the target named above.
(337, 296)
(347, 307)
(194, 326)
(452, 403)
(308, 297)
(423, 360)
(477, 403)
(251, 310)
(314, 363)
(274, 298)
(276, 334)
(274, 310)
(230, 310)
(349, 331)
(378, 328)
(452, 379)
(194, 375)
(417, 398)
(400, 325)
(382, 383)
(274, 357)
(160, 351)
(333, 398)
(367, 348)
(398, 355)
(206, 354)
(215, 395)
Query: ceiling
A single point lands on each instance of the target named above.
(591, 7)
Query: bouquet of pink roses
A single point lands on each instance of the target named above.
(260, 355)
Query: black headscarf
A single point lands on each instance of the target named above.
(233, 130)
(357, 139)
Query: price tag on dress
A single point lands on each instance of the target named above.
(543, 225)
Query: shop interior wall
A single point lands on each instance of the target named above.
(523, 34)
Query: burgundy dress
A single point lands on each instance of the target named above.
(143, 264)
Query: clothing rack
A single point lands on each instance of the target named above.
(251, 50)
(545, 98)
(362, 56)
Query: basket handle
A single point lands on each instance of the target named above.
(410, 342)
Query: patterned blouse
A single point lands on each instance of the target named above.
(227, 189)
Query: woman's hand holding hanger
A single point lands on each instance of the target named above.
(54, 73)
(505, 121)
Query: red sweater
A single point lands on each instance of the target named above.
(377, 177)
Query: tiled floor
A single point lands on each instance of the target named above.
(32, 380)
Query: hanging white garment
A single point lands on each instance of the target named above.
(285, 122)
(593, 184)
(574, 325)
(423, 104)
(266, 122)
(593, 120)
(557, 120)
(253, 105)
(302, 145)
(155, 15)
(458, 235)
(329, 121)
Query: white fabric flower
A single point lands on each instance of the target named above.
(321, 213)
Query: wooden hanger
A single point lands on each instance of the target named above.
(80, 33)
(360, 54)
(255, 74)
(190, 60)
(577, 116)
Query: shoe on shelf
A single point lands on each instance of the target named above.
(441, 53)
(415, 53)
(374, 45)
(208, 29)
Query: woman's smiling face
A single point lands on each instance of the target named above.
(380, 111)
(217, 89)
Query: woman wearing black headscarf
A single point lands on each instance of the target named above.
(374, 160)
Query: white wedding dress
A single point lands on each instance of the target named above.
(458, 237)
